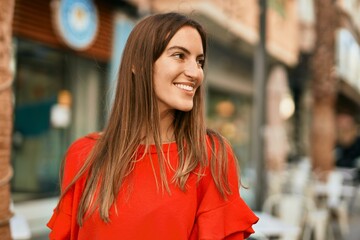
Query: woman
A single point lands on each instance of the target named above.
(155, 172)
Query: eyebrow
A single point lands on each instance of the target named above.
(183, 49)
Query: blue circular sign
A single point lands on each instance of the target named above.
(77, 22)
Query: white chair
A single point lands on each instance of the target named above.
(292, 209)
(299, 177)
(317, 223)
(351, 186)
(336, 203)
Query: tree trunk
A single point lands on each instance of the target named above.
(324, 89)
(6, 15)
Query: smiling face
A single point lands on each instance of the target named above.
(178, 71)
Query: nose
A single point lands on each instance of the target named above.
(193, 70)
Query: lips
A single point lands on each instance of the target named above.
(184, 87)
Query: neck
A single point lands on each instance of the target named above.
(166, 129)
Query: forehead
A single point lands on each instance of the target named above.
(187, 37)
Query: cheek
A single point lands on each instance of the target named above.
(201, 78)
(157, 78)
(162, 73)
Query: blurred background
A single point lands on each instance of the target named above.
(283, 85)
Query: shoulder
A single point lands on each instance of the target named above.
(221, 158)
(78, 152)
(216, 142)
(83, 145)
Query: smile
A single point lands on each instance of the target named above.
(184, 87)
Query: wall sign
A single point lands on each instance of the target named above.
(76, 22)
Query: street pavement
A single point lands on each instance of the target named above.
(354, 228)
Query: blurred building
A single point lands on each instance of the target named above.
(347, 57)
(62, 81)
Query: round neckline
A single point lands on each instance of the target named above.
(166, 147)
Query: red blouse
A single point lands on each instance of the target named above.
(148, 213)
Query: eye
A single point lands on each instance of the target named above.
(179, 55)
(200, 62)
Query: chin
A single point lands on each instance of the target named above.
(185, 108)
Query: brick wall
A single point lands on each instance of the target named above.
(241, 18)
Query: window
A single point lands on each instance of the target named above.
(39, 146)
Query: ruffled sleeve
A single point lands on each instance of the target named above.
(63, 223)
(60, 224)
(219, 218)
(233, 220)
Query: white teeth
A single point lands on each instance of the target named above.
(185, 87)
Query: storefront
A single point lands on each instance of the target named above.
(45, 78)
(59, 88)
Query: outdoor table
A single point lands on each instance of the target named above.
(273, 227)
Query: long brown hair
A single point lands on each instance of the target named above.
(135, 112)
